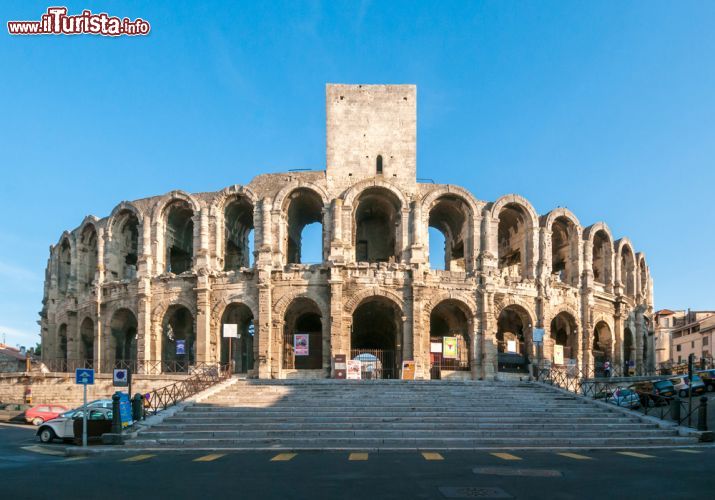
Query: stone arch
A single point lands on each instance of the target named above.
(307, 316)
(643, 274)
(86, 339)
(220, 306)
(222, 198)
(119, 212)
(454, 318)
(159, 311)
(62, 344)
(564, 327)
(515, 199)
(512, 227)
(281, 305)
(177, 253)
(378, 225)
(235, 215)
(626, 266)
(300, 207)
(356, 299)
(165, 201)
(468, 302)
(519, 304)
(549, 218)
(598, 252)
(122, 329)
(280, 200)
(442, 208)
(602, 344)
(353, 192)
(178, 324)
(88, 254)
(65, 251)
(564, 234)
(239, 352)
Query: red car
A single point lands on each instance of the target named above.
(42, 413)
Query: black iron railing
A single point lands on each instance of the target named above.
(167, 396)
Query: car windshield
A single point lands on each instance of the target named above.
(696, 378)
(663, 384)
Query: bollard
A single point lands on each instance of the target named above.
(138, 407)
(116, 418)
(703, 414)
(675, 409)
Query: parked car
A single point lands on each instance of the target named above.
(97, 403)
(708, 377)
(39, 414)
(64, 427)
(654, 392)
(681, 383)
(626, 398)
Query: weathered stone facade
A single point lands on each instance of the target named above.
(130, 287)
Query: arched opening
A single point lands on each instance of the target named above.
(305, 221)
(179, 237)
(449, 215)
(601, 263)
(241, 348)
(512, 241)
(376, 338)
(64, 268)
(122, 262)
(86, 342)
(628, 271)
(378, 166)
(643, 279)
(564, 251)
(87, 259)
(238, 231)
(377, 226)
(513, 340)
(123, 336)
(178, 350)
(602, 346)
(62, 347)
(303, 336)
(629, 352)
(565, 334)
(450, 340)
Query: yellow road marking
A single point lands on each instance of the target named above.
(506, 456)
(283, 457)
(685, 450)
(432, 455)
(41, 449)
(210, 458)
(74, 459)
(575, 456)
(634, 454)
(357, 457)
(137, 458)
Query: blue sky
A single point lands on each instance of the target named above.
(604, 107)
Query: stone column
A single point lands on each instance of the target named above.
(417, 253)
(420, 333)
(203, 320)
(618, 342)
(640, 362)
(405, 236)
(98, 294)
(338, 342)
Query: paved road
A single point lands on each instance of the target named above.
(657, 473)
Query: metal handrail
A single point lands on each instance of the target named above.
(164, 397)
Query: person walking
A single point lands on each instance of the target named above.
(607, 368)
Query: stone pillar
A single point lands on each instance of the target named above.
(339, 344)
(203, 320)
(264, 328)
(99, 280)
(488, 327)
(640, 362)
(419, 348)
(417, 253)
(618, 342)
(147, 361)
(405, 236)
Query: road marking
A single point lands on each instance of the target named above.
(283, 457)
(432, 456)
(210, 458)
(74, 459)
(688, 451)
(634, 454)
(575, 456)
(358, 457)
(506, 456)
(137, 458)
(36, 448)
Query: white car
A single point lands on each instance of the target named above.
(681, 384)
(625, 398)
(62, 427)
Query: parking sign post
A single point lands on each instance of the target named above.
(85, 377)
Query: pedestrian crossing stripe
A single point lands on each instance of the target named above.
(209, 458)
(432, 456)
(283, 457)
(506, 456)
(634, 454)
(685, 450)
(575, 456)
(357, 457)
(137, 458)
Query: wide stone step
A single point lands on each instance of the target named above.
(413, 443)
(238, 412)
(381, 420)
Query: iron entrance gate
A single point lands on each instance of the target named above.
(375, 363)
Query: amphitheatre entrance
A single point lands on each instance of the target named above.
(376, 338)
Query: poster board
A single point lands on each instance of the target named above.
(408, 370)
(354, 369)
(449, 347)
(230, 330)
(511, 346)
(301, 344)
(435, 347)
(340, 366)
(558, 354)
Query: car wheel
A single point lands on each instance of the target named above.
(682, 394)
(47, 435)
(37, 421)
(711, 387)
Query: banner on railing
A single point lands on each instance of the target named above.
(558, 354)
(449, 347)
(301, 344)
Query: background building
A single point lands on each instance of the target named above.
(693, 333)
(152, 285)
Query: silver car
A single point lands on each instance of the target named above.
(62, 427)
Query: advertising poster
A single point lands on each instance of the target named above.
(511, 346)
(435, 347)
(449, 347)
(354, 369)
(300, 344)
(230, 330)
(408, 370)
(180, 347)
(558, 354)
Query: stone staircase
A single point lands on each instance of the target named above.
(380, 415)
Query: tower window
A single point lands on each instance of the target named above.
(379, 164)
